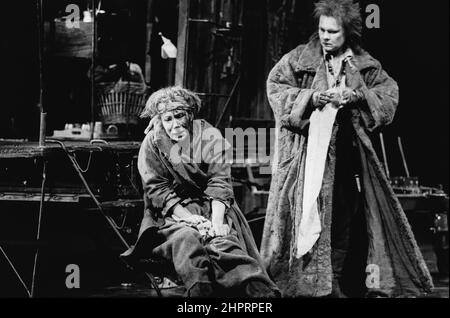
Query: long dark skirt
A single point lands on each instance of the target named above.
(218, 266)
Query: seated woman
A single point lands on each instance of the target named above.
(189, 203)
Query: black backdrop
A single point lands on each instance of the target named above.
(412, 45)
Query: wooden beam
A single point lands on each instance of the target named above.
(43, 114)
(149, 26)
(182, 43)
(94, 55)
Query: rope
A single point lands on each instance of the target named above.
(38, 235)
(15, 271)
(88, 163)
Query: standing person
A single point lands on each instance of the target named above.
(190, 213)
(332, 214)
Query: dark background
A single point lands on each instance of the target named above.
(412, 45)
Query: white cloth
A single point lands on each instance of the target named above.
(320, 129)
(319, 137)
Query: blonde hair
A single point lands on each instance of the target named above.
(161, 100)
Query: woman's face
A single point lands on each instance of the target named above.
(331, 34)
(176, 124)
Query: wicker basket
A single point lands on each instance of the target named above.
(122, 102)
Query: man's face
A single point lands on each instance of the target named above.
(331, 34)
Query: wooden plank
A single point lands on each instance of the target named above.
(149, 30)
(36, 197)
(182, 42)
(63, 190)
(10, 150)
(123, 204)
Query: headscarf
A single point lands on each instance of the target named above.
(170, 99)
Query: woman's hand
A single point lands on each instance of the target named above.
(218, 212)
(320, 99)
(195, 219)
(182, 214)
(220, 230)
(335, 96)
(350, 96)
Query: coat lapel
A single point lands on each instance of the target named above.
(311, 58)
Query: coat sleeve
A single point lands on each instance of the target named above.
(217, 154)
(158, 187)
(284, 92)
(381, 96)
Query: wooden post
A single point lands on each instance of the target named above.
(43, 114)
(182, 43)
(383, 149)
(402, 153)
(149, 24)
(94, 52)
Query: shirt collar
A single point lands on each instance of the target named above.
(348, 54)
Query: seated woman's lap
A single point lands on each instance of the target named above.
(177, 236)
(221, 259)
(182, 247)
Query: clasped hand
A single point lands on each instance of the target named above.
(341, 97)
(203, 225)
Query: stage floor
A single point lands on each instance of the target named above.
(136, 290)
